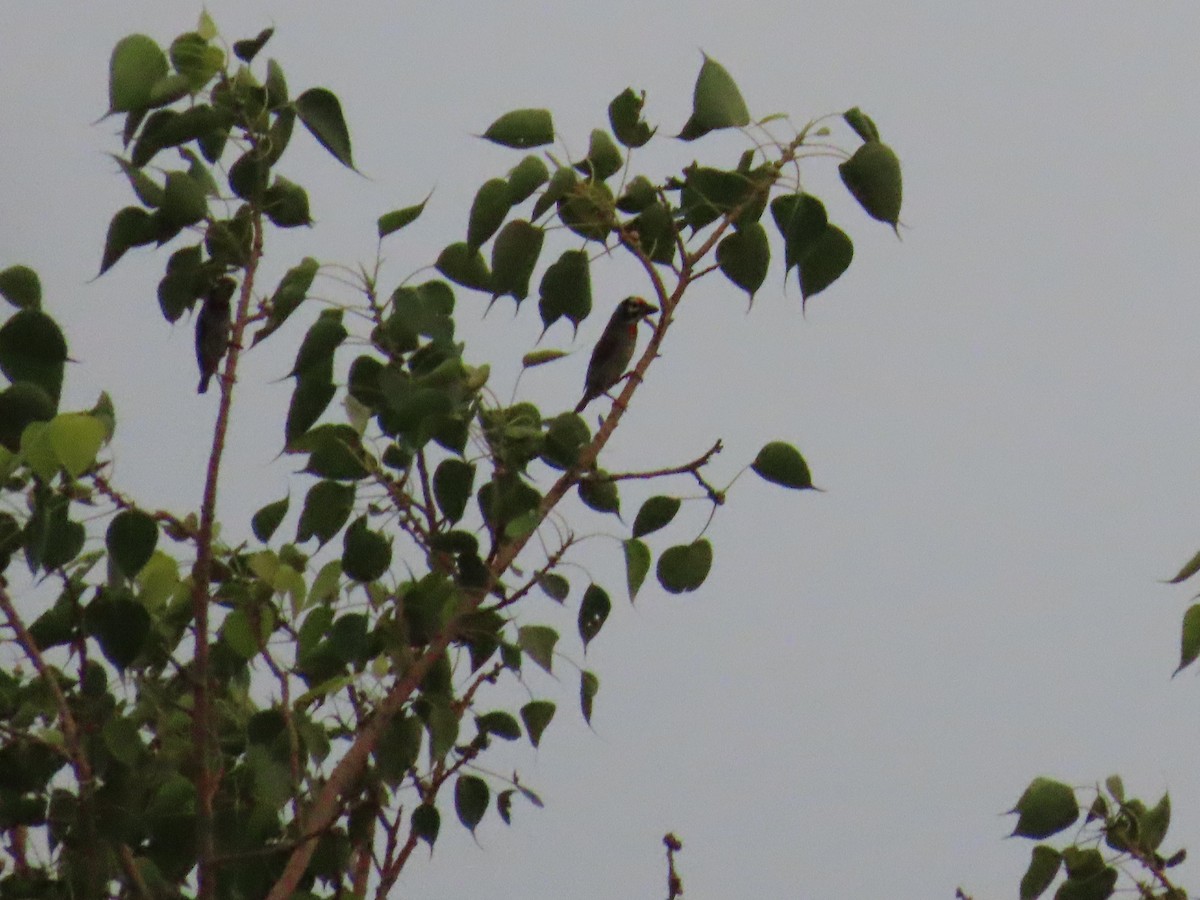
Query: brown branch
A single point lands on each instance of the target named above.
(674, 882)
(693, 467)
(289, 722)
(70, 728)
(207, 780)
(134, 877)
(553, 560)
(119, 500)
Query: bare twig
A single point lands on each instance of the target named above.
(674, 882)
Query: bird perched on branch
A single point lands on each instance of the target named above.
(615, 348)
(212, 329)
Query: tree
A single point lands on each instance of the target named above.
(258, 716)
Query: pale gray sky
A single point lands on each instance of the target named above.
(1000, 407)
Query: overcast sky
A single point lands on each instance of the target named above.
(1001, 408)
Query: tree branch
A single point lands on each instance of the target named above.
(202, 723)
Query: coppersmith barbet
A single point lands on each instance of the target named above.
(212, 329)
(615, 348)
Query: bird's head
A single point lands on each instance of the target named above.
(633, 309)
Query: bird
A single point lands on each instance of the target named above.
(615, 348)
(212, 329)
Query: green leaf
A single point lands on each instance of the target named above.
(130, 227)
(637, 565)
(366, 554)
(716, 103)
(76, 438)
(195, 59)
(20, 405)
(488, 211)
(37, 453)
(119, 624)
(562, 182)
(465, 266)
(656, 513)
(453, 481)
(321, 340)
(625, 116)
(708, 194)
(277, 99)
(398, 218)
(801, 220)
(566, 435)
(1189, 644)
(286, 204)
(639, 193)
(526, 177)
(313, 393)
(148, 191)
(131, 538)
(593, 612)
(556, 587)
(536, 715)
(137, 62)
(19, 285)
(443, 729)
(267, 519)
(600, 493)
(589, 210)
(1155, 823)
(321, 114)
(535, 358)
(205, 26)
(566, 289)
(872, 175)
(514, 256)
(1116, 787)
(825, 261)
(603, 159)
(184, 201)
(781, 463)
(1045, 808)
(326, 508)
(240, 635)
(471, 798)
(1190, 568)
(500, 724)
(684, 567)
(122, 740)
(538, 641)
(589, 686)
(246, 50)
(861, 123)
(657, 233)
(291, 292)
(249, 174)
(33, 349)
(335, 451)
(425, 823)
(1043, 867)
(744, 257)
(522, 128)
(398, 749)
